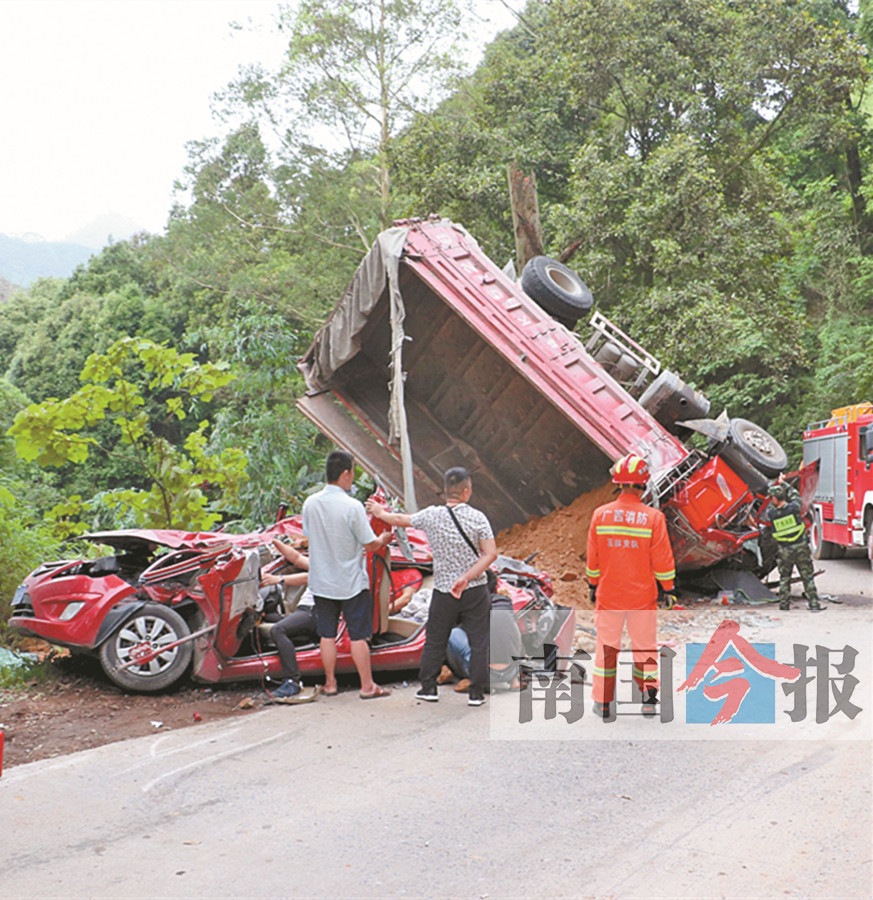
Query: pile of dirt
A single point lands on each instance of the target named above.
(559, 540)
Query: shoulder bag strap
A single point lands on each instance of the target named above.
(461, 530)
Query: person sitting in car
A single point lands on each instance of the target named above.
(299, 623)
(505, 644)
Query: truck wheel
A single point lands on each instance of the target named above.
(870, 541)
(756, 446)
(154, 626)
(820, 548)
(557, 289)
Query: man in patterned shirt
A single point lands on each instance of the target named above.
(463, 547)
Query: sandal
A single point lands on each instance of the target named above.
(378, 692)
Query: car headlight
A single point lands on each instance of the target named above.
(70, 610)
(21, 597)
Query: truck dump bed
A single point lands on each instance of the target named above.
(491, 382)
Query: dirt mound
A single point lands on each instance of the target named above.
(559, 540)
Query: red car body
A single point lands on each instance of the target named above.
(171, 603)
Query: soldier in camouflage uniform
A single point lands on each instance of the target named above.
(789, 532)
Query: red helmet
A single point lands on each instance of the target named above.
(631, 469)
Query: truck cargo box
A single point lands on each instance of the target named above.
(491, 382)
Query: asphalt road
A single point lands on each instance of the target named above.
(396, 798)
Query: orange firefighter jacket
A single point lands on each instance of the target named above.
(629, 554)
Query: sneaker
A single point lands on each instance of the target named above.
(429, 694)
(462, 685)
(290, 688)
(814, 606)
(476, 698)
(649, 702)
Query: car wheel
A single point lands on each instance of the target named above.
(756, 446)
(557, 289)
(820, 548)
(153, 627)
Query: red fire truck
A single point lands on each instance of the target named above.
(843, 502)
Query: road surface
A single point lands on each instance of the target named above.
(396, 798)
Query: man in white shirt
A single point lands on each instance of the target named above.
(339, 534)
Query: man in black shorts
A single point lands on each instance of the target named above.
(339, 533)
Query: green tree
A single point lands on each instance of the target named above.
(254, 233)
(25, 542)
(285, 451)
(658, 131)
(358, 71)
(179, 479)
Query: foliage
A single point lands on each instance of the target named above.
(254, 233)
(25, 542)
(54, 328)
(356, 71)
(703, 164)
(285, 452)
(11, 401)
(117, 385)
(695, 165)
(28, 673)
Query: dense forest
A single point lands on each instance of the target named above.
(704, 165)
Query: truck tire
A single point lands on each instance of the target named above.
(870, 540)
(756, 446)
(557, 289)
(819, 547)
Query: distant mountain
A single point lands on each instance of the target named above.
(7, 289)
(105, 228)
(23, 260)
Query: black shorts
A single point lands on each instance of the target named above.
(357, 612)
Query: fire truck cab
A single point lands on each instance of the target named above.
(843, 503)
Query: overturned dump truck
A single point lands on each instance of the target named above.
(435, 358)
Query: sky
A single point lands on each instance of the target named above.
(99, 97)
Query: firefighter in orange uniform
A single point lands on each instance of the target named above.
(629, 557)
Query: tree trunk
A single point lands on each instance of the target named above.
(525, 215)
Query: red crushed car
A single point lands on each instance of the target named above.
(166, 604)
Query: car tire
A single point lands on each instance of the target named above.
(557, 289)
(153, 625)
(756, 446)
(819, 547)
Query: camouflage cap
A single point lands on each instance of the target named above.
(779, 491)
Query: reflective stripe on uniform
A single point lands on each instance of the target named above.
(624, 531)
(788, 529)
(604, 673)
